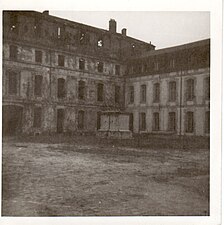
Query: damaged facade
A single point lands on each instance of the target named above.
(60, 76)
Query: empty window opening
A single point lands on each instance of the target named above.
(156, 121)
(172, 121)
(207, 122)
(37, 117)
(131, 94)
(81, 64)
(190, 122)
(38, 56)
(190, 89)
(82, 87)
(60, 120)
(25, 29)
(156, 92)
(207, 88)
(100, 92)
(100, 67)
(38, 85)
(81, 115)
(12, 83)
(117, 69)
(61, 60)
(142, 121)
(172, 91)
(117, 94)
(61, 88)
(13, 52)
(100, 43)
(143, 93)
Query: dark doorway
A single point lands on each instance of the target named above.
(11, 120)
(60, 120)
(131, 122)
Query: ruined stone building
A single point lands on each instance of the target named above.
(60, 75)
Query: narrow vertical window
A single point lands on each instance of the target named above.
(37, 117)
(61, 60)
(143, 93)
(38, 85)
(61, 88)
(142, 121)
(190, 89)
(13, 51)
(82, 87)
(131, 94)
(100, 92)
(190, 122)
(172, 121)
(81, 119)
(172, 91)
(117, 94)
(117, 69)
(156, 121)
(38, 56)
(12, 83)
(156, 92)
(100, 67)
(81, 64)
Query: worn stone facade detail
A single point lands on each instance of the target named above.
(59, 76)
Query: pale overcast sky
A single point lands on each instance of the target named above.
(163, 29)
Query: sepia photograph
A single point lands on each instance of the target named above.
(105, 113)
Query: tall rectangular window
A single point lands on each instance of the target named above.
(61, 88)
(82, 87)
(61, 60)
(156, 66)
(38, 56)
(142, 121)
(143, 93)
(12, 83)
(81, 64)
(156, 121)
(13, 51)
(172, 121)
(207, 88)
(156, 92)
(100, 92)
(37, 117)
(131, 94)
(38, 85)
(117, 94)
(190, 122)
(207, 122)
(172, 91)
(100, 67)
(117, 69)
(190, 89)
(81, 119)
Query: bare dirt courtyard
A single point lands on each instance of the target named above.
(81, 179)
